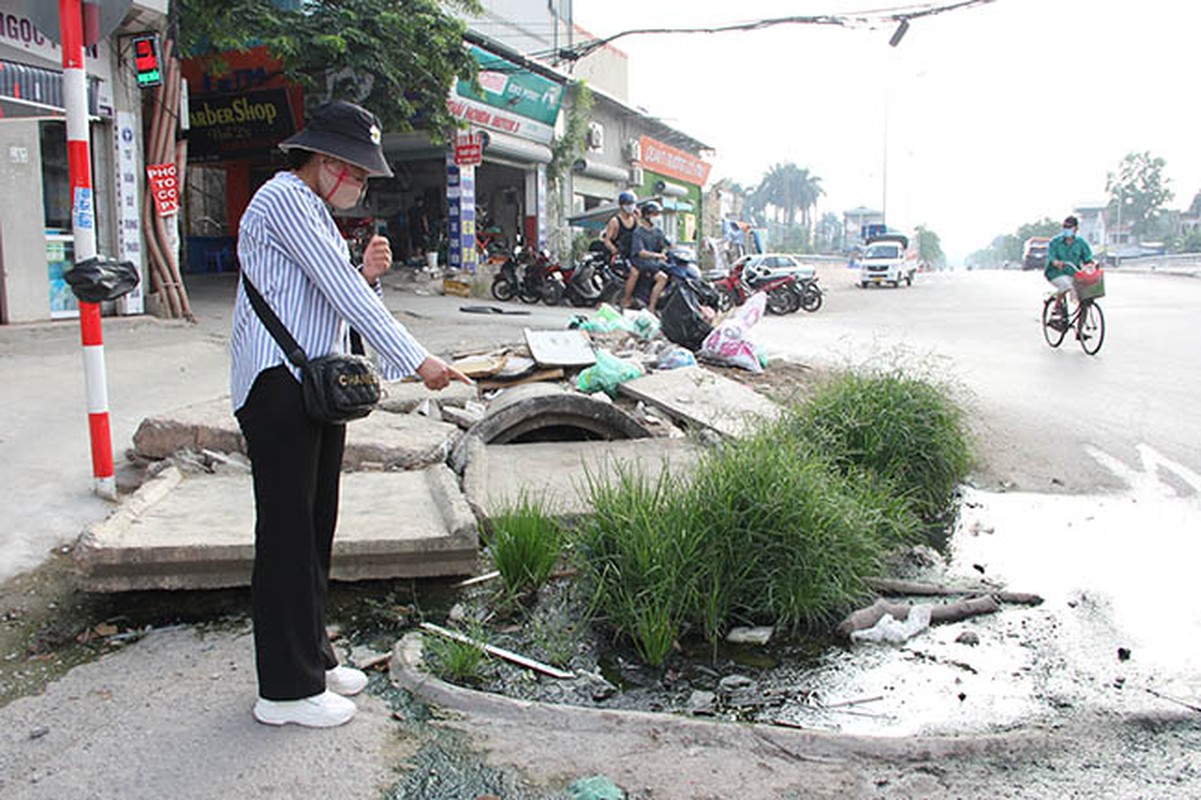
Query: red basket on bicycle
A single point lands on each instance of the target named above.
(1090, 285)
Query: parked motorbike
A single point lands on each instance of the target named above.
(586, 281)
(808, 293)
(738, 285)
(508, 278)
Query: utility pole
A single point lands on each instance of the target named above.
(83, 226)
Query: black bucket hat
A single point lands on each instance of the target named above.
(346, 131)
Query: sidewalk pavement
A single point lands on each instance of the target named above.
(154, 366)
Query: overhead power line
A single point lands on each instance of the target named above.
(900, 14)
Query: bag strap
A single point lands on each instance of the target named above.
(292, 349)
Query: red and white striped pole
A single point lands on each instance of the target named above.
(83, 225)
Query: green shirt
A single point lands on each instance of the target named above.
(1073, 252)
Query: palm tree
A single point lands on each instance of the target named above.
(787, 189)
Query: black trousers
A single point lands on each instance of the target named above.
(296, 465)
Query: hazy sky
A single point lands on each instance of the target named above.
(993, 116)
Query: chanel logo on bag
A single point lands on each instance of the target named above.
(365, 379)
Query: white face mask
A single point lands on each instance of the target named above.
(338, 186)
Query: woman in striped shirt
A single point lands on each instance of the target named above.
(291, 251)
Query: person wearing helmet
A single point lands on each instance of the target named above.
(620, 229)
(648, 255)
(290, 250)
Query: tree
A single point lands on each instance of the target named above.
(1137, 192)
(829, 233)
(398, 58)
(786, 189)
(1044, 227)
(929, 247)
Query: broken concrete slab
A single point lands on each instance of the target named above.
(557, 474)
(401, 397)
(197, 532)
(548, 411)
(209, 425)
(384, 439)
(398, 441)
(697, 397)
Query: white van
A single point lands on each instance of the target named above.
(886, 260)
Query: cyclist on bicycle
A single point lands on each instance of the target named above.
(1066, 255)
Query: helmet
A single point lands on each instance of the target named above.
(650, 207)
(626, 198)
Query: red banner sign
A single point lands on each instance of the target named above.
(164, 188)
(667, 160)
(469, 149)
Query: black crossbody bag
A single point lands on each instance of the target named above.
(338, 387)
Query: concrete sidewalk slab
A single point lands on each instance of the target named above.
(696, 396)
(197, 532)
(557, 474)
(382, 439)
(169, 717)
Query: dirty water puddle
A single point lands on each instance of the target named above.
(1115, 632)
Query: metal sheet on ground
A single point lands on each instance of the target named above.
(569, 348)
(696, 396)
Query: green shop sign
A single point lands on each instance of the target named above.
(518, 91)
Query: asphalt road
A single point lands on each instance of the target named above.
(1035, 409)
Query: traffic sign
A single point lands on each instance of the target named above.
(469, 149)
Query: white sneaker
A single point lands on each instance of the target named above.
(325, 710)
(346, 681)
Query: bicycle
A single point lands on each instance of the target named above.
(1086, 318)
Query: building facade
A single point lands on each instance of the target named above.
(36, 241)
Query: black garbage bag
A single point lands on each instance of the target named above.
(99, 279)
(680, 316)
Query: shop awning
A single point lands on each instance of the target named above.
(36, 92)
(597, 218)
(510, 148)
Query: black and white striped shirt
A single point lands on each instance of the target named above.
(290, 249)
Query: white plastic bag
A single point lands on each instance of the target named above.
(895, 631)
(730, 342)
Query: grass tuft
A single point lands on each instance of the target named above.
(525, 544)
(780, 526)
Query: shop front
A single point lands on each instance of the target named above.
(239, 109)
(675, 178)
(36, 240)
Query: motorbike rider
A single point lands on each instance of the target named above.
(621, 226)
(648, 254)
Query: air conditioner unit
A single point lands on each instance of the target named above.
(596, 137)
(633, 150)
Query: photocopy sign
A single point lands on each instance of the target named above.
(469, 149)
(164, 188)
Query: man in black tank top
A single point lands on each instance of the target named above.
(619, 232)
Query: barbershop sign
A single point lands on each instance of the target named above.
(240, 124)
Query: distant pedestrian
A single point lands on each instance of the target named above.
(290, 250)
(419, 227)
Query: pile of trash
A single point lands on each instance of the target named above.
(597, 353)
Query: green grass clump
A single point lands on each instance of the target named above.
(765, 530)
(904, 432)
(455, 661)
(525, 544)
